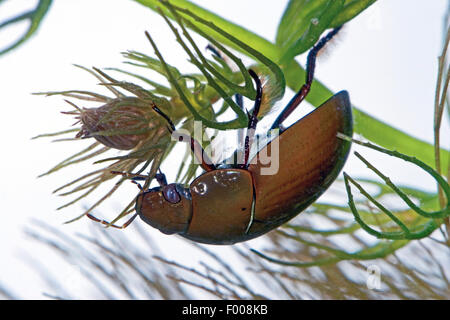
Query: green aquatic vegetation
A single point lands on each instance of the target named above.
(189, 97)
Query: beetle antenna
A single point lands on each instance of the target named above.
(126, 224)
(304, 90)
(162, 114)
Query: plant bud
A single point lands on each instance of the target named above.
(120, 124)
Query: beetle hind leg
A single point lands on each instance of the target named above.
(304, 90)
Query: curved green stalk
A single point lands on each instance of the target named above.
(246, 90)
(379, 250)
(35, 16)
(434, 219)
(202, 67)
(366, 125)
(233, 124)
(243, 47)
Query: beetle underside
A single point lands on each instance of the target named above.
(225, 206)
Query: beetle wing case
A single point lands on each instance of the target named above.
(310, 158)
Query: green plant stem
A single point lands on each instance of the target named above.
(369, 127)
(439, 105)
(35, 17)
(379, 250)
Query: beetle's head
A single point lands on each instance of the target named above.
(167, 208)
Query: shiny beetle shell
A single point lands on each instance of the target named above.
(217, 206)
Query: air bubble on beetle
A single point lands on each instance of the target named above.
(200, 188)
(226, 178)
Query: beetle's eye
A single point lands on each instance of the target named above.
(170, 193)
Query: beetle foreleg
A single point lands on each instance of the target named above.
(304, 90)
(196, 147)
(198, 151)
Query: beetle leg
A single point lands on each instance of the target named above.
(196, 147)
(126, 224)
(240, 102)
(304, 90)
(161, 178)
(198, 151)
(253, 119)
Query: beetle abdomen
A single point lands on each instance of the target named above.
(310, 158)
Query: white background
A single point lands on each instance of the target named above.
(386, 58)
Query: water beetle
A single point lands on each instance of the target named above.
(226, 205)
